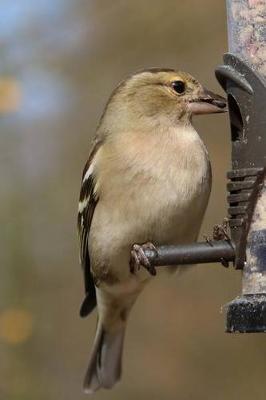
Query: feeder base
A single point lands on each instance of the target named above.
(247, 314)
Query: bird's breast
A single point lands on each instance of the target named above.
(157, 172)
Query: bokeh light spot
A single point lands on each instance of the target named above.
(10, 95)
(15, 326)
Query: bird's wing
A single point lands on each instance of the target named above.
(87, 202)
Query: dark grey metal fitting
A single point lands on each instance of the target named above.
(247, 314)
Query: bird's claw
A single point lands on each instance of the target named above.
(139, 259)
(220, 231)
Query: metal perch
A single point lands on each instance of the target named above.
(194, 253)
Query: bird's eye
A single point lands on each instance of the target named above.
(179, 86)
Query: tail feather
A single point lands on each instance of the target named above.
(105, 363)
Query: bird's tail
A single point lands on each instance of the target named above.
(105, 363)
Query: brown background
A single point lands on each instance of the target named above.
(59, 62)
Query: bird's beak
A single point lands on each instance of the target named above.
(207, 102)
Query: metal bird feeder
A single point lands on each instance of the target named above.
(243, 77)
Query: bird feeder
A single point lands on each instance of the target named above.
(243, 77)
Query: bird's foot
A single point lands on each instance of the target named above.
(221, 231)
(139, 259)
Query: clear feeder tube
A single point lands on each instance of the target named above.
(247, 32)
(247, 40)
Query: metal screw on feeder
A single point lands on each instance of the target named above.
(243, 77)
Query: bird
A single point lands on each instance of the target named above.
(147, 182)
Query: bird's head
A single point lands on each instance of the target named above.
(161, 96)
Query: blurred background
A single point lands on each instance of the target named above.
(59, 61)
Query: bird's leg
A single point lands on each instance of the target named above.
(139, 259)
